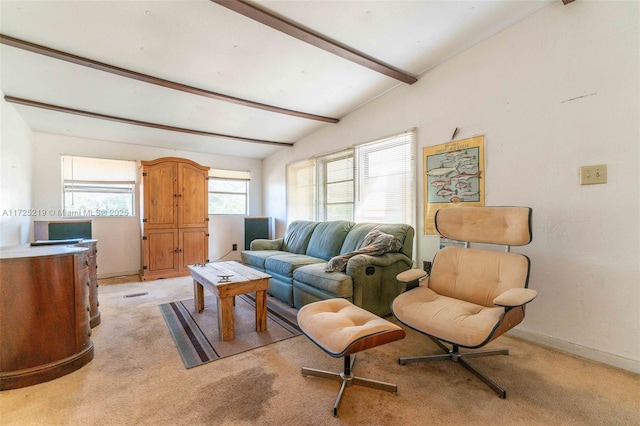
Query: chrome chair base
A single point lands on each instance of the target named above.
(456, 356)
(348, 379)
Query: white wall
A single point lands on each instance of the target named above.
(119, 238)
(15, 177)
(558, 90)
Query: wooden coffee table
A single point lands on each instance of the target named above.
(227, 280)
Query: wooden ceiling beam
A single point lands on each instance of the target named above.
(101, 66)
(89, 114)
(294, 30)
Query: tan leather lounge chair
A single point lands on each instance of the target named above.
(472, 295)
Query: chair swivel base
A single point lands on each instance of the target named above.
(456, 356)
(348, 379)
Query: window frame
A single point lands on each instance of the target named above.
(406, 141)
(322, 168)
(228, 176)
(99, 186)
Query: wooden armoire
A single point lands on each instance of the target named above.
(175, 222)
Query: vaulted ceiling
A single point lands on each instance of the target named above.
(241, 78)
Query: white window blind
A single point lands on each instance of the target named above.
(230, 174)
(98, 169)
(301, 190)
(386, 180)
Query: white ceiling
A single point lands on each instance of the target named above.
(207, 46)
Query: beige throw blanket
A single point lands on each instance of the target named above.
(375, 243)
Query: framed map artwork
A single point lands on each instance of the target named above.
(453, 176)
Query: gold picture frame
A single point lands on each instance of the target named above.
(453, 176)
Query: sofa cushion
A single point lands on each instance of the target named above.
(337, 283)
(298, 235)
(256, 258)
(327, 239)
(285, 264)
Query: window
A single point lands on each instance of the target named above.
(228, 192)
(372, 182)
(97, 186)
(301, 194)
(386, 180)
(335, 175)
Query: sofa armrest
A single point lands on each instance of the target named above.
(262, 244)
(515, 297)
(374, 280)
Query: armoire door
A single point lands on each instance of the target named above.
(160, 190)
(194, 245)
(161, 249)
(192, 196)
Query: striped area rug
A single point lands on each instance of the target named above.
(196, 334)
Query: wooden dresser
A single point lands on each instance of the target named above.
(175, 221)
(94, 304)
(92, 256)
(44, 313)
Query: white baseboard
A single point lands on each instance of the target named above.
(582, 351)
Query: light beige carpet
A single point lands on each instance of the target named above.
(137, 377)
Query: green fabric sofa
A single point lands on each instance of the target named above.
(297, 264)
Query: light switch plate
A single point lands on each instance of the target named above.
(590, 175)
